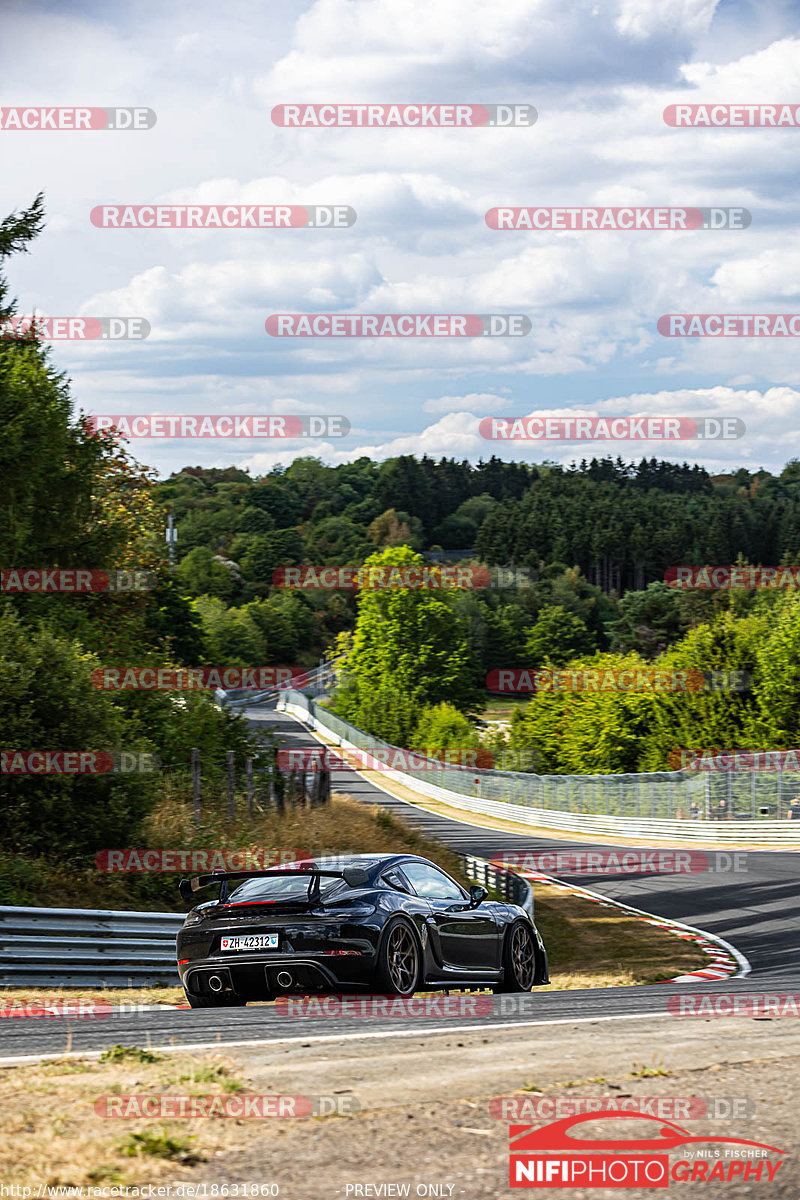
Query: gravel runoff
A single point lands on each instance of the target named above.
(424, 1120)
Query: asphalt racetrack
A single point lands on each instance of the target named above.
(757, 911)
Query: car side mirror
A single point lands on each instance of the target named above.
(477, 895)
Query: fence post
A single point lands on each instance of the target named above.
(730, 788)
(196, 783)
(230, 758)
(248, 769)
(780, 790)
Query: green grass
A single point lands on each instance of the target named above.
(640, 1071)
(121, 1053)
(161, 1145)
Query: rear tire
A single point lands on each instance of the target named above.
(399, 969)
(519, 960)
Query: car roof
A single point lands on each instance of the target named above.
(371, 862)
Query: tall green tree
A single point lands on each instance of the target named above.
(408, 651)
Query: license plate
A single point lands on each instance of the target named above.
(250, 941)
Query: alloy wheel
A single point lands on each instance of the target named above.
(522, 957)
(402, 959)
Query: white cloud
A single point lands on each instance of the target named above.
(476, 402)
(600, 76)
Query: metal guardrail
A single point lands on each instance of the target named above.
(563, 802)
(513, 888)
(86, 947)
(74, 947)
(318, 681)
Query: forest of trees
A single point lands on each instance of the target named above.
(592, 542)
(594, 539)
(69, 499)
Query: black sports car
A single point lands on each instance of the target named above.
(387, 923)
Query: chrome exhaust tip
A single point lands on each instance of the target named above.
(215, 983)
(285, 979)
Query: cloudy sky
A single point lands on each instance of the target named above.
(598, 73)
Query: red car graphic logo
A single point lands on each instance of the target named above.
(556, 1136)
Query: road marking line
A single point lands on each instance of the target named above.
(172, 1048)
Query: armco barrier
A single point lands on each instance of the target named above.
(74, 947)
(512, 887)
(318, 681)
(85, 947)
(468, 786)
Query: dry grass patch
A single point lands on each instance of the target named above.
(344, 825)
(590, 945)
(124, 997)
(51, 1134)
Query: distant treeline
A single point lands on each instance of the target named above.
(621, 523)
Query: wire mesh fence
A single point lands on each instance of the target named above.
(248, 787)
(739, 794)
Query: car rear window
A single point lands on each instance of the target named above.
(293, 887)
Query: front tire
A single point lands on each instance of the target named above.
(399, 968)
(519, 960)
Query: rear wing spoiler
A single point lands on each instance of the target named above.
(353, 876)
